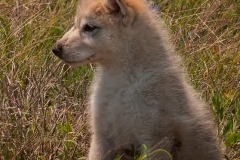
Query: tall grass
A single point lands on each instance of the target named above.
(43, 102)
(207, 35)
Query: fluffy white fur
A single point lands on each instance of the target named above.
(139, 94)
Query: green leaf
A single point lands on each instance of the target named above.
(40, 158)
(68, 127)
(238, 136)
(227, 128)
(216, 102)
(220, 113)
(232, 139)
(68, 144)
(62, 128)
(238, 111)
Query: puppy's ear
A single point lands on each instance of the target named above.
(119, 6)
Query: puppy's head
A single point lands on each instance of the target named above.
(100, 33)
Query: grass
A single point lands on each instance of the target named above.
(43, 102)
(40, 99)
(206, 34)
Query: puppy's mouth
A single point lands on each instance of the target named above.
(80, 62)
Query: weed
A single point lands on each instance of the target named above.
(43, 104)
(206, 34)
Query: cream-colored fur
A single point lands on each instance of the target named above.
(139, 95)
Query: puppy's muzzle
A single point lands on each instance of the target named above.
(57, 49)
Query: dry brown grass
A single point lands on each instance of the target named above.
(206, 33)
(43, 102)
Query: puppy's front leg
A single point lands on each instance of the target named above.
(100, 149)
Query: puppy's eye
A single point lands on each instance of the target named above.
(89, 28)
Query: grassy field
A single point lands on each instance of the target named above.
(43, 102)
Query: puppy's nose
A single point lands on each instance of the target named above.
(57, 50)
